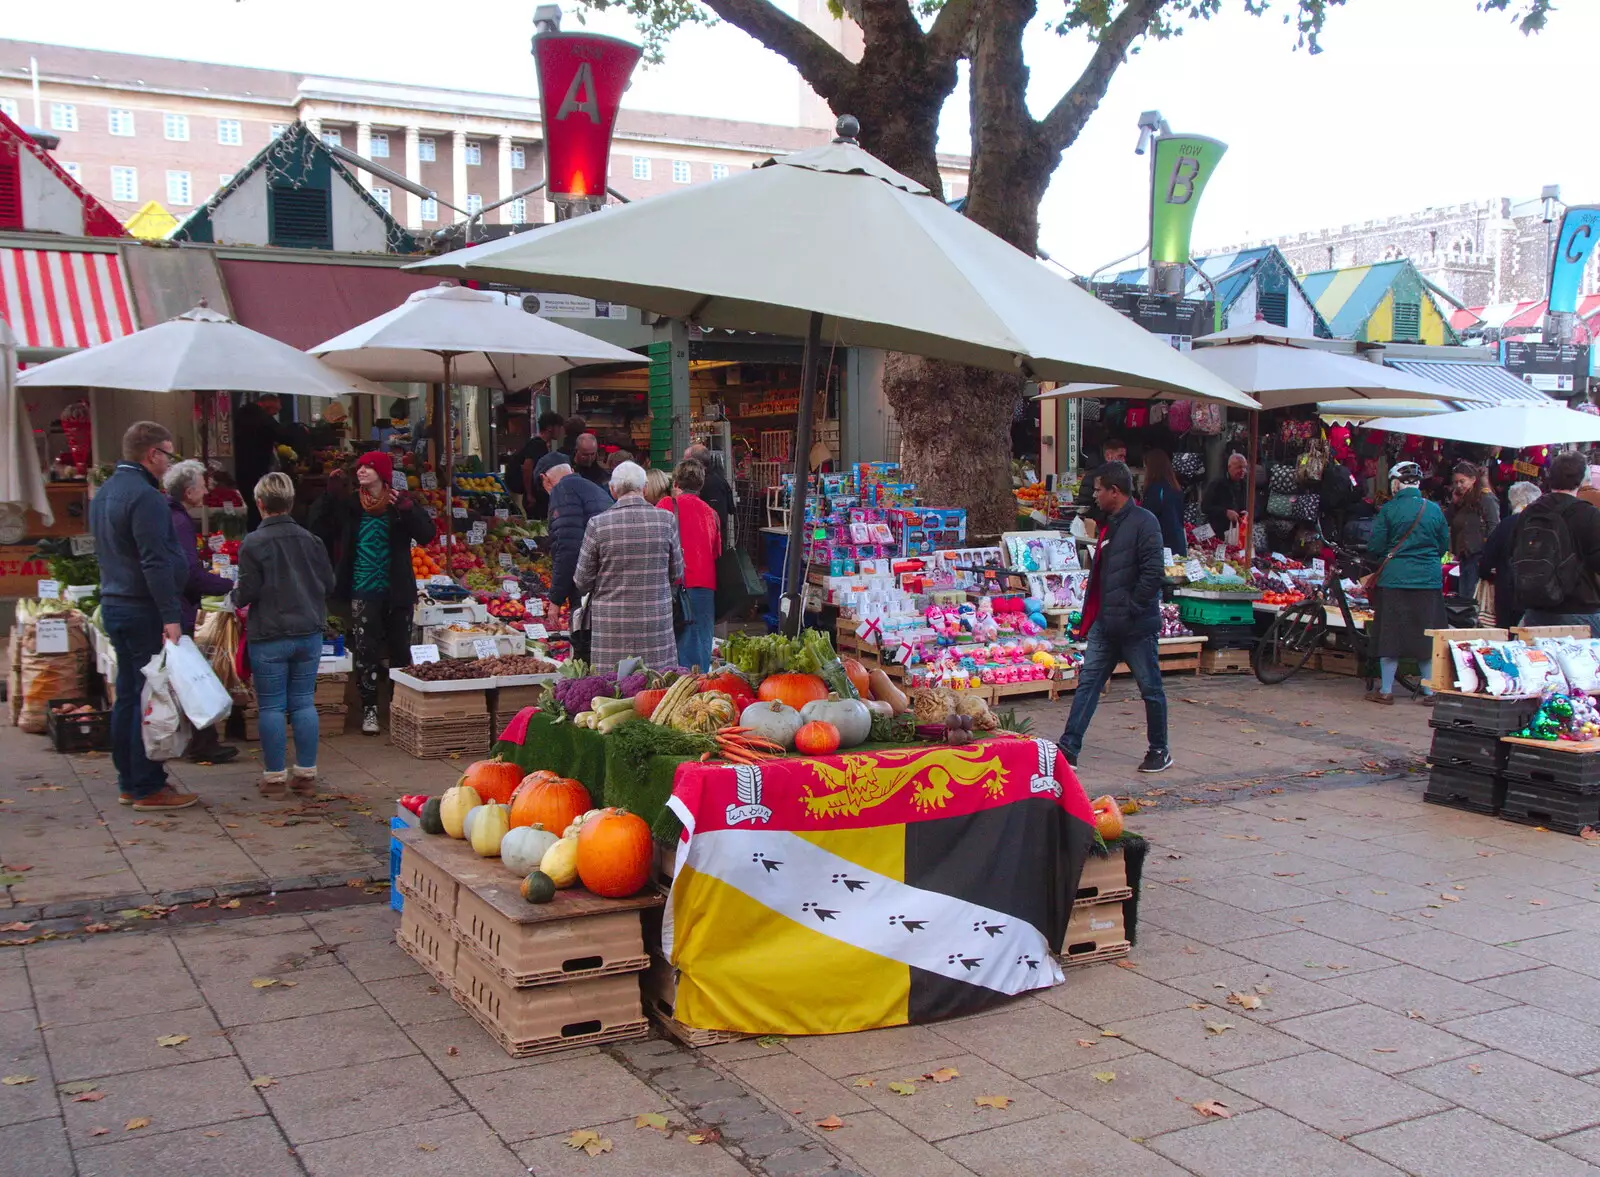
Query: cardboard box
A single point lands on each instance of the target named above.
(425, 883)
(543, 1019)
(597, 938)
(1104, 879)
(429, 942)
(1095, 932)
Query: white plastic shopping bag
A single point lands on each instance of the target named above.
(200, 692)
(163, 725)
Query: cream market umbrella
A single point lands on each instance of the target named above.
(1513, 426)
(465, 336)
(21, 483)
(833, 244)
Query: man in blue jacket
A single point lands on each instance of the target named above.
(1122, 615)
(573, 502)
(142, 574)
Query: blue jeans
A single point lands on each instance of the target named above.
(285, 671)
(694, 644)
(134, 628)
(1544, 617)
(1099, 659)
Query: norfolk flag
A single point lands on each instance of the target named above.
(816, 896)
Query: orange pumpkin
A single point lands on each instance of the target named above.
(646, 702)
(795, 690)
(1107, 818)
(860, 677)
(495, 780)
(817, 738)
(615, 851)
(548, 800)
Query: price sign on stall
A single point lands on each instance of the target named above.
(221, 561)
(49, 590)
(485, 647)
(505, 560)
(536, 631)
(397, 479)
(458, 512)
(1194, 570)
(215, 542)
(477, 533)
(50, 636)
(430, 482)
(77, 592)
(502, 513)
(82, 545)
(427, 653)
(1203, 532)
(1318, 567)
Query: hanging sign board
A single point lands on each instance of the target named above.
(582, 78)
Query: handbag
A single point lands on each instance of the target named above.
(682, 610)
(1180, 416)
(1207, 417)
(1306, 507)
(1369, 583)
(581, 636)
(1280, 506)
(1282, 480)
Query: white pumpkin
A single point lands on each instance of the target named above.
(467, 822)
(849, 716)
(523, 848)
(577, 823)
(773, 719)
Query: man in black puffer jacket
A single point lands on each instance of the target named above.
(1122, 615)
(573, 502)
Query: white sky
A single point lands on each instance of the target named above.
(1413, 103)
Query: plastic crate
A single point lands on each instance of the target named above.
(1223, 637)
(1484, 714)
(1552, 767)
(1458, 788)
(1198, 611)
(396, 852)
(547, 1018)
(85, 732)
(1536, 805)
(1095, 932)
(1473, 751)
(777, 549)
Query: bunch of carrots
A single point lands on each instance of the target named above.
(740, 745)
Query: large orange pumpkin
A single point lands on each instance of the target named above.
(495, 780)
(860, 677)
(548, 800)
(614, 853)
(795, 690)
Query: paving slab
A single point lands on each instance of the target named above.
(789, 1082)
(89, 1049)
(1376, 1038)
(1538, 1035)
(871, 1050)
(1161, 955)
(37, 1148)
(1339, 1097)
(1457, 957)
(1584, 1145)
(1067, 1144)
(317, 1042)
(105, 977)
(557, 1095)
(1553, 988)
(1031, 1038)
(1145, 1096)
(935, 1111)
(880, 1146)
(347, 1101)
(239, 1148)
(238, 1001)
(1300, 953)
(459, 1047)
(447, 1146)
(1181, 1037)
(172, 1098)
(1405, 989)
(1578, 951)
(635, 1152)
(1265, 1143)
(1280, 996)
(414, 999)
(1435, 1146)
(1532, 1099)
(1098, 995)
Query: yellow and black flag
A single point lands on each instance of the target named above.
(816, 896)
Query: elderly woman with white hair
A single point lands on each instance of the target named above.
(1494, 563)
(630, 559)
(185, 484)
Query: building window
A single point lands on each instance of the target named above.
(121, 123)
(474, 154)
(178, 188)
(383, 197)
(719, 171)
(230, 132)
(641, 167)
(430, 208)
(427, 149)
(8, 107)
(680, 171)
(74, 171)
(175, 127)
(333, 138)
(474, 203)
(519, 159)
(224, 179)
(519, 211)
(380, 146)
(125, 184)
(63, 116)
(278, 129)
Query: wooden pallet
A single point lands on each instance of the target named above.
(1225, 662)
(1444, 667)
(1174, 654)
(1050, 688)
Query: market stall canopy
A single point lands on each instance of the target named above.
(1512, 427)
(492, 344)
(21, 483)
(199, 351)
(835, 231)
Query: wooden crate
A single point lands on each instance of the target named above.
(1444, 667)
(333, 713)
(1095, 932)
(1531, 633)
(440, 704)
(1049, 688)
(433, 739)
(1338, 662)
(1225, 662)
(1174, 654)
(543, 1019)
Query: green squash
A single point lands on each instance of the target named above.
(538, 887)
(432, 823)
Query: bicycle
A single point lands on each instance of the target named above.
(1303, 628)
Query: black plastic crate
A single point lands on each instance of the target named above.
(88, 731)
(1484, 714)
(1535, 805)
(1226, 637)
(1465, 748)
(1477, 792)
(1554, 768)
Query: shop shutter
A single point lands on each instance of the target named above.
(1407, 320)
(300, 218)
(10, 186)
(1274, 308)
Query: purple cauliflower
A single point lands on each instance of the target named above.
(632, 685)
(578, 694)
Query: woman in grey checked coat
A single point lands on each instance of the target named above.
(630, 559)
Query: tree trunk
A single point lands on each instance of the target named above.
(955, 430)
(896, 95)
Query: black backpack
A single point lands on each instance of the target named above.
(1544, 564)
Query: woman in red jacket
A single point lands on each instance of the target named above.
(700, 532)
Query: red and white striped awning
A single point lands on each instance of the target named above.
(60, 298)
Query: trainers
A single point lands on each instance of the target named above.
(220, 754)
(125, 798)
(168, 798)
(1156, 760)
(369, 721)
(1072, 757)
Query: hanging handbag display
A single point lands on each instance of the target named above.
(1280, 506)
(1282, 480)
(1307, 507)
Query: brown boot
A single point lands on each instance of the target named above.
(274, 784)
(168, 798)
(1376, 696)
(303, 781)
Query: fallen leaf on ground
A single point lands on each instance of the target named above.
(264, 982)
(262, 1081)
(1105, 1076)
(1085, 1042)
(1475, 1068)
(1219, 1027)
(865, 1083)
(1416, 1015)
(229, 904)
(651, 1120)
(77, 1088)
(768, 1040)
(97, 927)
(1385, 1050)
(172, 1040)
(902, 1087)
(1589, 834)
(943, 1075)
(1450, 898)
(830, 1124)
(1244, 837)
(1264, 989)
(136, 1123)
(993, 1101)
(15, 926)
(1245, 1000)
(18, 1080)
(1199, 1005)
(99, 1131)
(1111, 1033)
(452, 1051)
(212, 1135)
(589, 1140)
(424, 1146)
(1210, 1107)
(89, 1097)
(1127, 964)
(709, 1136)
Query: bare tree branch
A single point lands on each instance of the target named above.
(825, 69)
(1064, 122)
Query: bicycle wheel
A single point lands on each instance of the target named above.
(1289, 641)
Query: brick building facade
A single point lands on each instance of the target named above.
(137, 128)
(1484, 252)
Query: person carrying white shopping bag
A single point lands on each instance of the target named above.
(163, 727)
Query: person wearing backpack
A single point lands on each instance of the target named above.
(1410, 535)
(1555, 551)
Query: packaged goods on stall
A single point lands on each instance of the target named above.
(49, 660)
